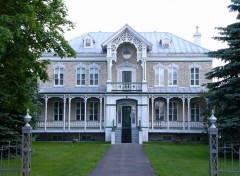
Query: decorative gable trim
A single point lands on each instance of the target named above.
(131, 32)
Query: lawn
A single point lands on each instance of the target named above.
(66, 158)
(177, 159)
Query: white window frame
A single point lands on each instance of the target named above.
(171, 78)
(159, 70)
(195, 112)
(81, 109)
(59, 109)
(193, 75)
(81, 67)
(57, 71)
(96, 71)
(172, 109)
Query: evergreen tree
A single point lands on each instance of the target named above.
(224, 94)
(28, 29)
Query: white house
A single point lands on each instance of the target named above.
(125, 81)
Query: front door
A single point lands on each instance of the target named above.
(126, 116)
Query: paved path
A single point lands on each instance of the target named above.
(124, 160)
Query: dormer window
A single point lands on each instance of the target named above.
(88, 41)
(165, 42)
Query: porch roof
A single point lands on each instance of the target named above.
(177, 90)
(74, 90)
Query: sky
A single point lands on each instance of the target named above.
(179, 17)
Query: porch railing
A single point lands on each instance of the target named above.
(60, 124)
(176, 124)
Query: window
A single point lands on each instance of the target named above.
(159, 110)
(94, 110)
(58, 76)
(172, 76)
(194, 76)
(173, 113)
(81, 76)
(87, 42)
(94, 73)
(165, 42)
(195, 112)
(159, 76)
(80, 110)
(58, 111)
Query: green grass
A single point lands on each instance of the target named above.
(176, 159)
(66, 159)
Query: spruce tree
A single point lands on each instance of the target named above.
(224, 94)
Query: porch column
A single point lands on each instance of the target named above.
(45, 119)
(168, 98)
(189, 98)
(64, 112)
(183, 102)
(100, 99)
(69, 111)
(85, 112)
(152, 98)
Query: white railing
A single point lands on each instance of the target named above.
(131, 86)
(176, 124)
(72, 124)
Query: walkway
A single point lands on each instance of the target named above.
(124, 160)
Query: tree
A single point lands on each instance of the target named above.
(28, 29)
(224, 94)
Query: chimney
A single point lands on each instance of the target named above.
(197, 37)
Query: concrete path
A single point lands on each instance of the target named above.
(124, 160)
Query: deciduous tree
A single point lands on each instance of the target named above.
(28, 28)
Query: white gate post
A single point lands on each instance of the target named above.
(26, 146)
(213, 146)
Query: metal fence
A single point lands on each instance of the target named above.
(16, 156)
(11, 155)
(224, 160)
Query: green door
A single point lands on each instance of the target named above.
(126, 116)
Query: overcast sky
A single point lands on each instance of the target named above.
(179, 17)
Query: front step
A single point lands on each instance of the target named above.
(126, 135)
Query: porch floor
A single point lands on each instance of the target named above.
(124, 159)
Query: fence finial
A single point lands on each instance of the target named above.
(212, 120)
(27, 118)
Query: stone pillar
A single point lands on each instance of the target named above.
(26, 146)
(183, 102)
(46, 109)
(112, 137)
(140, 136)
(213, 146)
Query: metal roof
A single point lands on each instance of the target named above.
(102, 90)
(177, 90)
(178, 45)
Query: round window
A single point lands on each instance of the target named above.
(126, 53)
